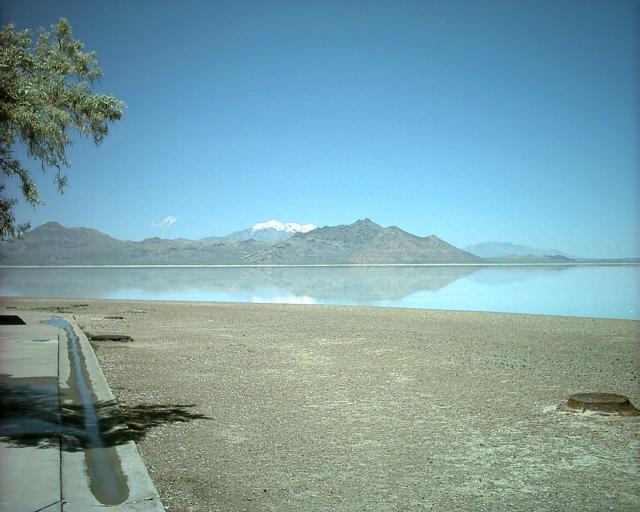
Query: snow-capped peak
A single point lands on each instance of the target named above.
(288, 227)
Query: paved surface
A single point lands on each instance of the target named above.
(48, 460)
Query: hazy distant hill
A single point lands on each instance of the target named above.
(513, 252)
(361, 242)
(555, 259)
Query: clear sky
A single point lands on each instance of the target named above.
(472, 120)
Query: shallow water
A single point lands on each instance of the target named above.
(590, 291)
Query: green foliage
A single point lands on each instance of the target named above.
(45, 91)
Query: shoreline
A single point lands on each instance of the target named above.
(344, 265)
(323, 407)
(173, 301)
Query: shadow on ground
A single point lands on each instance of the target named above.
(32, 416)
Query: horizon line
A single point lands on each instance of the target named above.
(595, 262)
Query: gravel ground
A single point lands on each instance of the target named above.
(337, 408)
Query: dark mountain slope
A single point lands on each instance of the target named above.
(53, 244)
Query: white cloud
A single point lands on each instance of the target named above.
(166, 222)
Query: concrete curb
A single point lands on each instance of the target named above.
(77, 493)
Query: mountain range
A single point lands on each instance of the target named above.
(363, 242)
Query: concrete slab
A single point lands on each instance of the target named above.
(56, 507)
(30, 422)
(29, 350)
(29, 478)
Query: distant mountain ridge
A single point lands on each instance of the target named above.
(509, 250)
(363, 241)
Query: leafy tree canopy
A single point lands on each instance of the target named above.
(45, 92)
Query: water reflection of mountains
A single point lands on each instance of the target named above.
(324, 283)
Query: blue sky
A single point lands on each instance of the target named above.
(472, 120)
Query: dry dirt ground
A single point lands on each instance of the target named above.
(263, 407)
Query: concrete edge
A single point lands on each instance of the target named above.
(143, 495)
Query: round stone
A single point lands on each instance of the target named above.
(603, 403)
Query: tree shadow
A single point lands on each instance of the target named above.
(120, 424)
(33, 416)
(30, 411)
